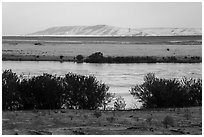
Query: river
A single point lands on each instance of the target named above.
(119, 77)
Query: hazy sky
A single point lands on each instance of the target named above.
(23, 18)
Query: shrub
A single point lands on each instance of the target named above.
(158, 93)
(168, 120)
(27, 96)
(187, 114)
(97, 113)
(37, 43)
(107, 99)
(79, 57)
(61, 57)
(149, 119)
(11, 99)
(46, 90)
(119, 103)
(197, 57)
(110, 119)
(71, 117)
(130, 59)
(51, 92)
(99, 58)
(193, 88)
(172, 59)
(95, 58)
(85, 92)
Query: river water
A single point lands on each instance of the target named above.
(119, 77)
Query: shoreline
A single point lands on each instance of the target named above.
(108, 59)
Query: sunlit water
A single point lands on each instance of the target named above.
(119, 77)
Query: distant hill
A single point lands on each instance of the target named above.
(105, 30)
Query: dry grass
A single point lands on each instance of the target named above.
(52, 49)
(84, 122)
(46, 48)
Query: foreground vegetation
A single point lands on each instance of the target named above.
(85, 92)
(51, 92)
(164, 93)
(44, 98)
(171, 121)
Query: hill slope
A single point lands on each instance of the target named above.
(105, 30)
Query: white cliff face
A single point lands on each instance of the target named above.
(105, 30)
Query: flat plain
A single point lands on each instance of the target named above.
(51, 48)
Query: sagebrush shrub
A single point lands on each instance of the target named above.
(187, 114)
(109, 97)
(79, 57)
(164, 93)
(95, 58)
(168, 120)
(97, 113)
(11, 99)
(51, 92)
(111, 119)
(149, 120)
(85, 92)
(119, 103)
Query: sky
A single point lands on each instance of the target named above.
(22, 18)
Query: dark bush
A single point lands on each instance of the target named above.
(193, 87)
(79, 57)
(172, 59)
(38, 43)
(84, 92)
(11, 99)
(119, 103)
(27, 96)
(41, 92)
(168, 120)
(158, 93)
(51, 92)
(97, 113)
(197, 57)
(95, 58)
(46, 91)
(99, 58)
(61, 57)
